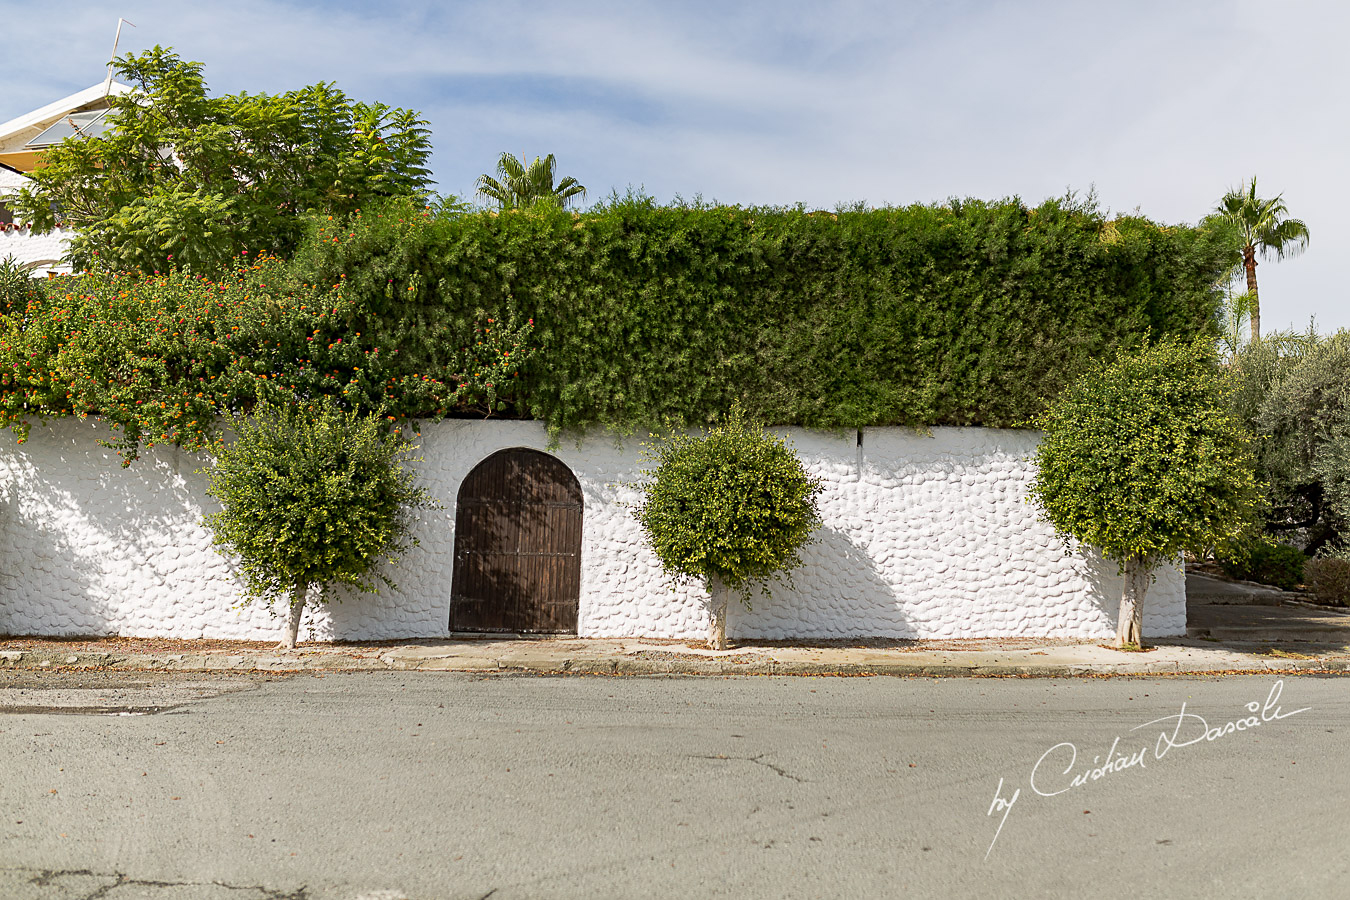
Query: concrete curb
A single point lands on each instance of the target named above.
(535, 662)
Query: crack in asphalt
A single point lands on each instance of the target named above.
(87, 710)
(45, 877)
(759, 761)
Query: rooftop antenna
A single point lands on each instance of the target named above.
(107, 82)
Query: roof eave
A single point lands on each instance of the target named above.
(37, 117)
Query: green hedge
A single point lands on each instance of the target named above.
(162, 358)
(968, 313)
(628, 316)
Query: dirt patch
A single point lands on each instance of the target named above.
(181, 645)
(734, 658)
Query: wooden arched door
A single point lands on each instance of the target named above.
(517, 546)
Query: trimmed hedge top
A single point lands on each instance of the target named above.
(628, 316)
(969, 313)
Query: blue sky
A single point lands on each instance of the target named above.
(1159, 106)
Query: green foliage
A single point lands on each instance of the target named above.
(969, 313)
(1142, 459)
(1234, 322)
(312, 495)
(734, 503)
(180, 177)
(160, 358)
(1257, 367)
(1264, 561)
(17, 286)
(1296, 393)
(648, 317)
(1328, 578)
(1261, 226)
(518, 186)
(1256, 226)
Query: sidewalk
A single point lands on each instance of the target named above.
(580, 656)
(1266, 632)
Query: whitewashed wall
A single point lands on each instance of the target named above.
(20, 242)
(925, 536)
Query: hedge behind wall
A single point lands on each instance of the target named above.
(629, 316)
(968, 313)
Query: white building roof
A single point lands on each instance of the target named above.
(18, 131)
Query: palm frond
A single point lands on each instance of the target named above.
(519, 185)
(494, 190)
(1264, 225)
(1286, 238)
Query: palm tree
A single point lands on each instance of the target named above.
(1262, 225)
(518, 185)
(1234, 316)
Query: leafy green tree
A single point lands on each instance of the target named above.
(729, 508)
(517, 185)
(180, 178)
(312, 496)
(1293, 506)
(1304, 419)
(1261, 226)
(1142, 459)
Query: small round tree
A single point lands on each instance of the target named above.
(1142, 459)
(729, 508)
(312, 496)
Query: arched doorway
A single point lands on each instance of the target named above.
(517, 546)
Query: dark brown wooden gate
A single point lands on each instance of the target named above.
(517, 546)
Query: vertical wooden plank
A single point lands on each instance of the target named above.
(518, 527)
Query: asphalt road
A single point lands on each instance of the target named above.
(430, 785)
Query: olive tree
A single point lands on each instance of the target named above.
(1304, 423)
(728, 508)
(312, 496)
(1142, 459)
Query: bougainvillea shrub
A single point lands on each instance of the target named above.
(161, 357)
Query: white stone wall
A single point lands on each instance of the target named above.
(10, 181)
(21, 243)
(925, 536)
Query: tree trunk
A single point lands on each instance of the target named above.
(293, 615)
(718, 594)
(1249, 262)
(1130, 626)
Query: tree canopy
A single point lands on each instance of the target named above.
(312, 495)
(1143, 459)
(1297, 393)
(728, 508)
(180, 178)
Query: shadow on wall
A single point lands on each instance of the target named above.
(1164, 601)
(107, 550)
(49, 585)
(838, 592)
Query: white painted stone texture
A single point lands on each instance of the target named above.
(20, 242)
(925, 536)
